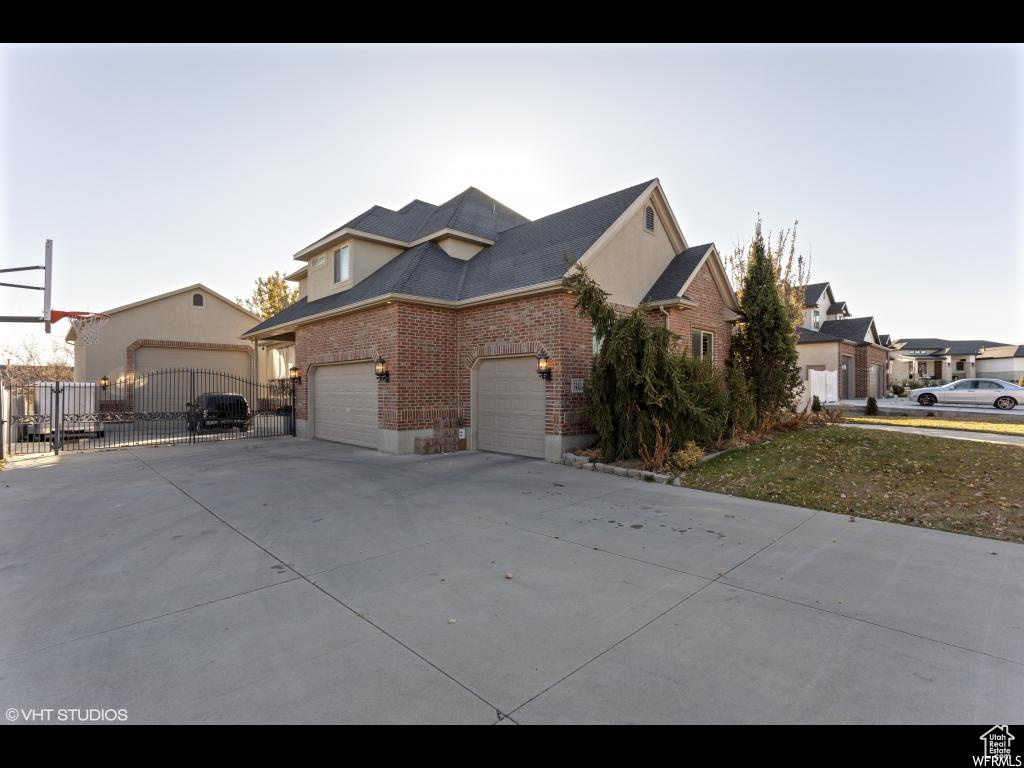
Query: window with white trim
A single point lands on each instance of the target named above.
(341, 265)
(649, 219)
(702, 345)
(817, 319)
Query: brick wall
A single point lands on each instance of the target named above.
(431, 352)
(425, 376)
(866, 356)
(708, 315)
(359, 336)
(524, 327)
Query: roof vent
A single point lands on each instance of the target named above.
(649, 219)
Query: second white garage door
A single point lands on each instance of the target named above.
(345, 404)
(510, 407)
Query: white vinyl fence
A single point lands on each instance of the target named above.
(824, 384)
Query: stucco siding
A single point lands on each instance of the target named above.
(172, 318)
(632, 260)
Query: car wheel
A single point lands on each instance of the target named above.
(1005, 403)
(927, 400)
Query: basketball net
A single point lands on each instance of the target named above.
(87, 325)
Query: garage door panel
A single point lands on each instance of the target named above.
(510, 407)
(345, 404)
(234, 363)
(214, 371)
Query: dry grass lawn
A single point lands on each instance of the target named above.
(922, 421)
(950, 485)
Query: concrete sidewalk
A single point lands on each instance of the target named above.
(953, 434)
(284, 580)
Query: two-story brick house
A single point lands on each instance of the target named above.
(455, 303)
(830, 339)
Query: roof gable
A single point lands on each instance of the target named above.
(71, 335)
(812, 294)
(678, 273)
(536, 252)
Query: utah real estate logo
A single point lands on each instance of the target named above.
(998, 749)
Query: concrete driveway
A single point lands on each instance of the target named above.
(281, 580)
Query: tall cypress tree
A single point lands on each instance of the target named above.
(765, 343)
(639, 380)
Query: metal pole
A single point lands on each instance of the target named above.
(293, 408)
(47, 284)
(57, 418)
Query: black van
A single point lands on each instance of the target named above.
(218, 409)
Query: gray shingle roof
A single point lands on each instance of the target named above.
(813, 292)
(677, 273)
(810, 336)
(533, 253)
(884, 339)
(471, 211)
(528, 254)
(837, 308)
(474, 213)
(955, 347)
(852, 328)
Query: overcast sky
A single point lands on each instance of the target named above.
(154, 167)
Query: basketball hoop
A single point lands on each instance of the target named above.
(87, 325)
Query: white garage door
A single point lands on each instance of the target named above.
(345, 404)
(510, 407)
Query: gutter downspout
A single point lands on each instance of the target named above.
(668, 317)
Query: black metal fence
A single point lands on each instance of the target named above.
(173, 406)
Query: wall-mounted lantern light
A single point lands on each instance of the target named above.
(380, 367)
(295, 375)
(104, 383)
(544, 366)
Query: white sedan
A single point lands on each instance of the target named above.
(994, 392)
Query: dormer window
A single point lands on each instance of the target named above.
(341, 265)
(198, 300)
(649, 219)
(817, 319)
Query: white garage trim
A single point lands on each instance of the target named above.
(516, 425)
(343, 403)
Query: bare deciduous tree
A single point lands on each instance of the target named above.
(29, 361)
(792, 269)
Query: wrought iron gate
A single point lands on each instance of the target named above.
(181, 405)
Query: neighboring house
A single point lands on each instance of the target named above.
(931, 359)
(1002, 362)
(459, 299)
(849, 347)
(192, 327)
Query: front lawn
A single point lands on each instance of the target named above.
(951, 485)
(921, 421)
